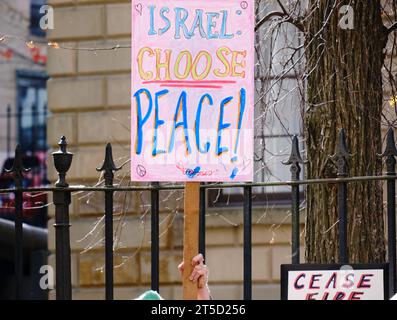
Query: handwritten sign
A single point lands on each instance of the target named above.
(334, 282)
(192, 94)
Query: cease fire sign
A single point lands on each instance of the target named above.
(334, 282)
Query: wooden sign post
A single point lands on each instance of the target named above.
(191, 237)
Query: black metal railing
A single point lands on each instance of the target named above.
(62, 199)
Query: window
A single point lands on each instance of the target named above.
(32, 110)
(35, 17)
(277, 111)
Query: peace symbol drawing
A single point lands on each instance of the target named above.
(140, 170)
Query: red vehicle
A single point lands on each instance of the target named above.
(34, 204)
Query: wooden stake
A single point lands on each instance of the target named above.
(191, 237)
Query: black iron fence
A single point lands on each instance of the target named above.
(62, 198)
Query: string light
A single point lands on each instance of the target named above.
(54, 45)
(34, 47)
(31, 44)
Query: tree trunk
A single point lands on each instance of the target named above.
(344, 91)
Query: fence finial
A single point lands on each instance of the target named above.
(17, 167)
(390, 152)
(342, 154)
(390, 149)
(295, 159)
(108, 166)
(62, 162)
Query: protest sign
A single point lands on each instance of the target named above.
(192, 93)
(334, 282)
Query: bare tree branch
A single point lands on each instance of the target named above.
(282, 7)
(286, 18)
(392, 28)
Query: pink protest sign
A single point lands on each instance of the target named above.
(192, 96)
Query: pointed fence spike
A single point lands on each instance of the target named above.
(108, 163)
(295, 159)
(295, 156)
(108, 166)
(17, 167)
(390, 149)
(342, 146)
(342, 154)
